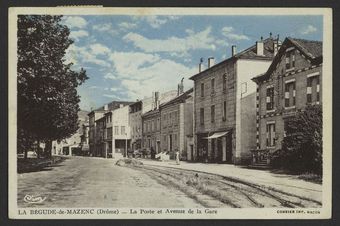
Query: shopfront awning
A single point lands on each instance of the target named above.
(217, 135)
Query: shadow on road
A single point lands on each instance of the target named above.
(36, 165)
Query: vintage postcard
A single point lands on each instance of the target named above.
(170, 113)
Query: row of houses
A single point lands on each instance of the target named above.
(241, 104)
(235, 112)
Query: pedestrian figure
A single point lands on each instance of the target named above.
(177, 157)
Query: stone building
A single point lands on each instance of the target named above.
(224, 104)
(94, 141)
(292, 82)
(177, 125)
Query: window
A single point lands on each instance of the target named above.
(202, 89)
(270, 98)
(109, 133)
(224, 81)
(116, 130)
(313, 89)
(202, 116)
(122, 130)
(212, 85)
(212, 113)
(271, 140)
(290, 94)
(290, 59)
(224, 116)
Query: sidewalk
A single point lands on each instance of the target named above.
(281, 182)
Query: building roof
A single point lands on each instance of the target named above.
(180, 98)
(151, 113)
(311, 49)
(249, 53)
(100, 119)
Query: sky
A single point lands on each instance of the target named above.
(129, 57)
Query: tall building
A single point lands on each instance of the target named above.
(292, 82)
(225, 104)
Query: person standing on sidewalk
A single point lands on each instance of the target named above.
(177, 157)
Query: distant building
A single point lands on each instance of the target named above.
(94, 142)
(72, 145)
(224, 104)
(140, 107)
(177, 125)
(292, 82)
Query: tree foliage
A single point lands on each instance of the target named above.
(302, 146)
(48, 102)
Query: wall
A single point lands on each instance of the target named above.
(246, 70)
(248, 125)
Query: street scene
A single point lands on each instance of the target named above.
(170, 111)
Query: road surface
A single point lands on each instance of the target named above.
(94, 182)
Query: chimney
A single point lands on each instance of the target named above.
(233, 50)
(275, 47)
(153, 101)
(259, 47)
(200, 66)
(156, 100)
(210, 62)
(105, 107)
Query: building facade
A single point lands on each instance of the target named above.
(135, 120)
(177, 125)
(139, 108)
(117, 132)
(151, 131)
(292, 82)
(225, 104)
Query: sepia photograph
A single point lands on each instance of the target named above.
(170, 113)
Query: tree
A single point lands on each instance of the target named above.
(48, 102)
(302, 146)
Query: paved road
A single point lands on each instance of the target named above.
(94, 182)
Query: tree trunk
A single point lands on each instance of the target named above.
(48, 149)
